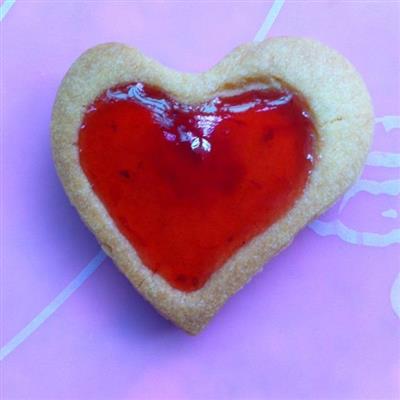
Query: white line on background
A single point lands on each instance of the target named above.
(5, 8)
(53, 306)
(269, 20)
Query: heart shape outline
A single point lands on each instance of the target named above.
(342, 114)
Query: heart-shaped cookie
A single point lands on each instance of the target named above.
(191, 182)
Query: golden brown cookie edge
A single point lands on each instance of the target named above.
(343, 116)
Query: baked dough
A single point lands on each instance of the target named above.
(343, 118)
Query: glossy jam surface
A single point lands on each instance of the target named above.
(188, 185)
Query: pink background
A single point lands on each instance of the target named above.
(317, 323)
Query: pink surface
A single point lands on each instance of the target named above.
(317, 323)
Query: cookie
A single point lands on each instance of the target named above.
(192, 182)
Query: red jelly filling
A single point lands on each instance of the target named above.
(188, 185)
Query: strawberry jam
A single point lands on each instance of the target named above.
(188, 185)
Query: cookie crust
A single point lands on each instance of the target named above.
(343, 118)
